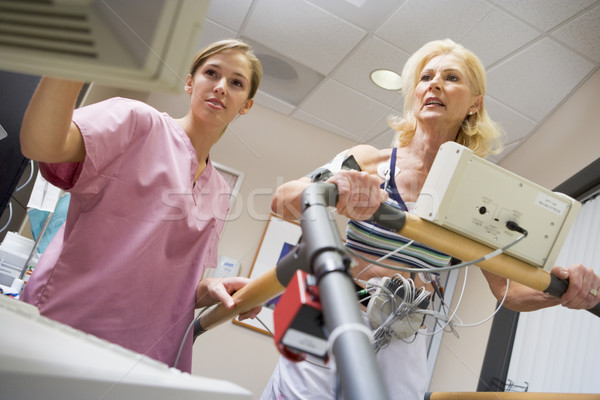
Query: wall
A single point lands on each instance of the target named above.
(566, 143)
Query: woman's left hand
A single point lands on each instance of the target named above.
(584, 286)
(214, 290)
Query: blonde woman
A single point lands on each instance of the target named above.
(444, 87)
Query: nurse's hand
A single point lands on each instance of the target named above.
(214, 290)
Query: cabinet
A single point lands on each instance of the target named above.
(15, 92)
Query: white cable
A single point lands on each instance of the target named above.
(437, 269)
(449, 321)
(401, 308)
(385, 257)
(30, 176)
(187, 332)
(264, 325)
(494, 313)
(377, 333)
(493, 254)
(461, 324)
(9, 217)
(380, 335)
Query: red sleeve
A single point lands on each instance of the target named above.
(61, 175)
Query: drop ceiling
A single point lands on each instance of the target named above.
(318, 55)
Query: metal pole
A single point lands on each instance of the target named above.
(359, 374)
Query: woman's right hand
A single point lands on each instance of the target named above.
(359, 194)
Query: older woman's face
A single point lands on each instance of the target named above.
(443, 93)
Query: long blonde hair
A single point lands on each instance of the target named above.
(478, 131)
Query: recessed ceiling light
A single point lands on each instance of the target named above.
(386, 79)
(277, 68)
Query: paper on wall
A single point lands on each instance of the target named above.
(44, 195)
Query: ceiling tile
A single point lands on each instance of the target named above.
(583, 34)
(515, 125)
(493, 25)
(275, 104)
(544, 14)
(211, 32)
(497, 158)
(366, 14)
(381, 125)
(384, 139)
(370, 55)
(413, 25)
(284, 78)
(303, 32)
(229, 13)
(347, 109)
(323, 124)
(527, 83)
(342, 41)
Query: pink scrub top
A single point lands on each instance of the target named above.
(139, 232)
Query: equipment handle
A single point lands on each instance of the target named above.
(257, 292)
(557, 287)
(268, 286)
(508, 396)
(463, 248)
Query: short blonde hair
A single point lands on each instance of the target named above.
(231, 44)
(478, 131)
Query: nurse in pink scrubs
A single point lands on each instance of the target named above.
(147, 205)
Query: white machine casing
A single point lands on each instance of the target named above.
(476, 198)
(138, 45)
(43, 359)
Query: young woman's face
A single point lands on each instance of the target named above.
(443, 93)
(220, 87)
